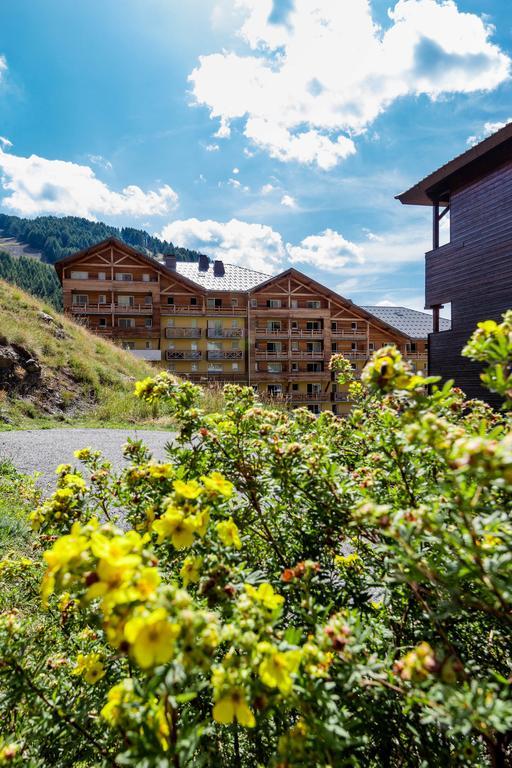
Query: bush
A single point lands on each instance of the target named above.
(284, 591)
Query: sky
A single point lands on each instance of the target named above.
(268, 133)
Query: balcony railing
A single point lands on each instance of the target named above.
(309, 355)
(415, 355)
(348, 334)
(277, 355)
(296, 333)
(186, 309)
(182, 333)
(217, 354)
(107, 309)
(341, 397)
(301, 397)
(225, 333)
(186, 354)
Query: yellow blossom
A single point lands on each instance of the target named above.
(89, 667)
(117, 695)
(351, 561)
(229, 534)
(160, 471)
(216, 483)
(201, 520)
(189, 571)
(83, 454)
(265, 595)
(174, 525)
(234, 707)
(151, 638)
(277, 668)
(190, 490)
(62, 469)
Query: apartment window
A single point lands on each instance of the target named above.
(148, 322)
(214, 303)
(313, 325)
(314, 389)
(295, 387)
(145, 277)
(314, 408)
(171, 366)
(314, 368)
(234, 324)
(126, 322)
(128, 345)
(193, 301)
(102, 322)
(314, 346)
(80, 298)
(193, 367)
(274, 346)
(102, 299)
(411, 347)
(148, 300)
(126, 277)
(295, 325)
(274, 390)
(295, 367)
(215, 368)
(148, 345)
(294, 304)
(215, 346)
(313, 304)
(295, 346)
(235, 344)
(234, 301)
(79, 275)
(354, 346)
(334, 347)
(334, 326)
(170, 322)
(371, 346)
(125, 301)
(170, 300)
(102, 275)
(274, 325)
(274, 303)
(353, 326)
(254, 303)
(275, 367)
(234, 366)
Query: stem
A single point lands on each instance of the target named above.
(236, 744)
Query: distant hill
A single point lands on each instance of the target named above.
(31, 275)
(55, 237)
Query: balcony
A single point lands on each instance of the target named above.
(225, 333)
(187, 309)
(295, 333)
(302, 397)
(182, 333)
(348, 334)
(108, 309)
(309, 355)
(186, 354)
(217, 354)
(264, 355)
(341, 397)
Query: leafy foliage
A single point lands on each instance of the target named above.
(57, 237)
(284, 591)
(33, 276)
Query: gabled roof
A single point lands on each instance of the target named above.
(234, 278)
(472, 164)
(411, 322)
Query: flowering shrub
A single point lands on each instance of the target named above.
(284, 590)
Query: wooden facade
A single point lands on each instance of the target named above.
(473, 271)
(277, 336)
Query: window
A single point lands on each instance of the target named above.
(125, 301)
(274, 303)
(295, 346)
(170, 300)
(274, 390)
(215, 368)
(234, 324)
(254, 303)
(275, 367)
(126, 322)
(234, 301)
(102, 275)
(193, 301)
(313, 325)
(102, 299)
(171, 366)
(354, 346)
(80, 299)
(313, 304)
(314, 346)
(295, 387)
(314, 367)
(295, 367)
(295, 325)
(273, 325)
(124, 276)
(79, 275)
(214, 303)
(334, 326)
(148, 345)
(148, 300)
(145, 277)
(314, 389)
(170, 322)
(353, 326)
(334, 347)
(128, 345)
(193, 367)
(235, 344)
(274, 346)
(371, 346)
(314, 408)
(102, 322)
(234, 366)
(148, 322)
(294, 304)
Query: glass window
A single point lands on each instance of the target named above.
(148, 345)
(102, 322)
(125, 301)
(170, 300)
(77, 275)
(234, 301)
(354, 326)
(148, 322)
(148, 300)
(193, 301)
(193, 367)
(274, 346)
(273, 325)
(102, 299)
(124, 276)
(274, 303)
(145, 277)
(334, 326)
(128, 345)
(275, 367)
(234, 366)
(102, 275)
(334, 347)
(294, 304)
(80, 298)
(313, 304)
(126, 322)
(235, 344)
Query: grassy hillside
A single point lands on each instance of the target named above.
(54, 371)
(31, 275)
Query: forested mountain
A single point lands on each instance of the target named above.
(33, 276)
(57, 237)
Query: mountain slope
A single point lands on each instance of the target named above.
(32, 275)
(55, 237)
(52, 370)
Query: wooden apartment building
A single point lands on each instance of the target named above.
(472, 272)
(208, 321)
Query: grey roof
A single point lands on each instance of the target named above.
(234, 278)
(411, 322)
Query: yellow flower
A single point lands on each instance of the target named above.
(216, 483)
(190, 570)
(277, 668)
(160, 471)
(265, 595)
(190, 490)
(114, 577)
(229, 534)
(83, 454)
(174, 525)
(201, 520)
(233, 706)
(74, 481)
(151, 638)
(147, 582)
(351, 561)
(62, 469)
(117, 695)
(89, 667)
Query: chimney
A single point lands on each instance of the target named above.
(170, 262)
(218, 268)
(204, 263)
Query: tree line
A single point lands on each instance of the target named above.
(32, 275)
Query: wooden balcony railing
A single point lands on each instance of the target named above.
(348, 334)
(107, 309)
(295, 333)
(301, 397)
(186, 309)
(182, 333)
(225, 333)
(264, 355)
(186, 354)
(309, 355)
(217, 354)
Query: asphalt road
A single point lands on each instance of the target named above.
(41, 450)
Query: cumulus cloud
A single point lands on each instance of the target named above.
(288, 201)
(100, 161)
(487, 130)
(34, 185)
(267, 189)
(328, 251)
(256, 246)
(308, 83)
(212, 147)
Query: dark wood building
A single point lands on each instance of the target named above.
(473, 271)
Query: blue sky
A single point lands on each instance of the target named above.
(264, 132)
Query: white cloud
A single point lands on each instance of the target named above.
(212, 147)
(3, 65)
(34, 185)
(235, 171)
(5, 142)
(329, 251)
(306, 87)
(267, 189)
(288, 201)
(234, 183)
(255, 246)
(100, 161)
(487, 130)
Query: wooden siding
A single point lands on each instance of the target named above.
(473, 272)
